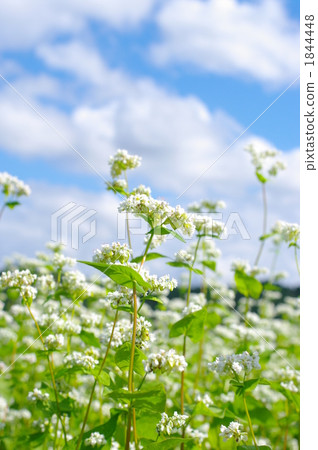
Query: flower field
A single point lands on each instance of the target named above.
(133, 360)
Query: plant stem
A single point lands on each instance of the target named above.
(264, 224)
(51, 373)
(286, 430)
(249, 421)
(296, 259)
(185, 338)
(95, 382)
(131, 366)
(2, 209)
(127, 220)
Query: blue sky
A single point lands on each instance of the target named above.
(176, 81)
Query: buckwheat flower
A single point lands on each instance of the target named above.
(289, 386)
(184, 256)
(287, 232)
(121, 297)
(182, 220)
(156, 210)
(233, 431)
(160, 284)
(115, 253)
(165, 361)
(55, 247)
(117, 185)
(193, 307)
(209, 249)
(122, 333)
(75, 283)
(197, 435)
(142, 189)
(59, 261)
(123, 161)
(20, 279)
(77, 359)
(143, 335)
(156, 241)
(206, 206)
(206, 399)
(90, 319)
(53, 341)
(235, 364)
(45, 282)
(171, 424)
(206, 226)
(67, 326)
(264, 161)
(95, 440)
(36, 395)
(12, 186)
(241, 265)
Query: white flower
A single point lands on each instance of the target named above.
(123, 161)
(54, 341)
(60, 261)
(116, 253)
(12, 186)
(142, 189)
(36, 395)
(95, 440)
(206, 206)
(228, 365)
(263, 161)
(198, 435)
(46, 282)
(169, 425)
(206, 226)
(287, 232)
(233, 431)
(75, 283)
(122, 297)
(21, 279)
(206, 399)
(165, 361)
(184, 256)
(160, 284)
(77, 359)
(241, 265)
(117, 185)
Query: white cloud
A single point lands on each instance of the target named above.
(24, 24)
(250, 39)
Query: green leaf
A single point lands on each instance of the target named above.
(89, 339)
(247, 285)
(149, 257)
(107, 430)
(146, 424)
(209, 411)
(191, 325)
(12, 205)
(179, 264)
(161, 230)
(123, 275)
(166, 444)
(210, 265)
(152, 397)
(122, 358)
(103, 377)
(266, 236)
(261, 177)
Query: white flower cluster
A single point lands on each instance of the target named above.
(115, 253)
(123, 333)
(206, 206)
(209, 249)
(169, 425)
(158, 211)
(157, 240)
(262, 160)
(45, 282)
(160, 284)
(206, 226)
(235, 364)
(290, 379)
(233, 431)
(165, 361)
(117, 185)
(142, 189)
(63, 325)
(244, 266)
(59, 261)
(197, 302)
(13, 186)
(287, 232)
(95, 440)
(122, 297)
(123, 161)
(36, 395)
(53, 341)
(20, 279)
(90, 319)
(75, 283)
(78, 359)
(206, 399)
(184, 256)
(197, 435)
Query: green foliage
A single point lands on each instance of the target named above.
(192, 325)
(122, 358)
(247, 285)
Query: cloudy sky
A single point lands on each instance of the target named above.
(175, 81)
